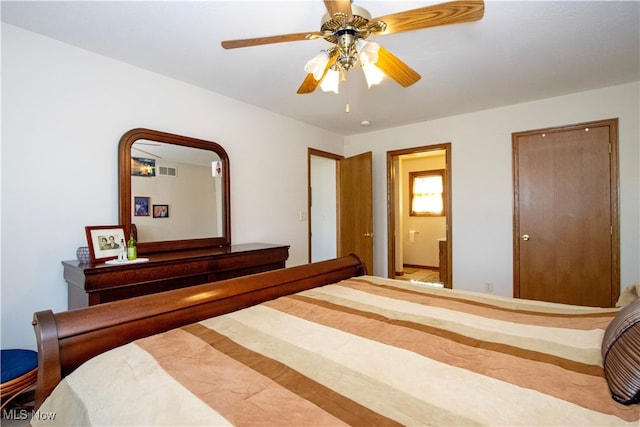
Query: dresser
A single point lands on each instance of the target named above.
(91, 284)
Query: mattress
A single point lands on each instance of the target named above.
(364, 351)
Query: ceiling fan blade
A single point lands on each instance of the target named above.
(234, 44)
(396, 69)
(342, 6)
(454, 12)
(310, 83)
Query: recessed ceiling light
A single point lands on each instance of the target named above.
(365, 123)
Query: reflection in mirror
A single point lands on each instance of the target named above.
(174, 190)
(186, 181)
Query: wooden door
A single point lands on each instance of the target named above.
(565, 214)
(355, 210)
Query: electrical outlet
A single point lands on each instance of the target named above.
(488, 287)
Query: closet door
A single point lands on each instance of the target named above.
(355, 212)
(566, 244)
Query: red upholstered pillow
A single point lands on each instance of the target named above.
(621, 354)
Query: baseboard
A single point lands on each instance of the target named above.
(424, 267)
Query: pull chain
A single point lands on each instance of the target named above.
(347, 108)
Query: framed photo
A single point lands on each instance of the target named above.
(143, 167)
(161, 211)
(141, 206)
(104, 241)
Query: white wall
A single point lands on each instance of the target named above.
(63, 112)
(481, 159)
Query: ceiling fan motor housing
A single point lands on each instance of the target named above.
(331, 25)
(347, 37)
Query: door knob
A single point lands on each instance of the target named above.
(368, 235)
(525, 237)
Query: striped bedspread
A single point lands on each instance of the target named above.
(366, 351)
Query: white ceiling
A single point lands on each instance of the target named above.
(520, 51)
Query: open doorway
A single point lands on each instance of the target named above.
(323, 208)
(419, 244)
(340, 206)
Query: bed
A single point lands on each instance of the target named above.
(326, 344)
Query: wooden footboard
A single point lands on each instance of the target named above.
(68, 339)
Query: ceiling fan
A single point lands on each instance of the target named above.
(347, 27)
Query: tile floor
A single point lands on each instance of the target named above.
(420, 275)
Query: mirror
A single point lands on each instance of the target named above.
(174, 191)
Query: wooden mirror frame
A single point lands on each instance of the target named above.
(124, 184)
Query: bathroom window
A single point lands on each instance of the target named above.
(426, 190)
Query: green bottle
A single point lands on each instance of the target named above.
(132, 251)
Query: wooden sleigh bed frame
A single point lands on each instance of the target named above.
(66, 340)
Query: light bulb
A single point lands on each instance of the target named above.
(367, 52)
(317, 64)
(331, 81)
(372, 74)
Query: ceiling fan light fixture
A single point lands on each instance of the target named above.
(346, 61)
(331, 81)
(368, 55)
(367, 51)
(372, 74)
(317, 64)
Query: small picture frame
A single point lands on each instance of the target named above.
(140, 206)
(104, 241)
(143, 167)
(161, 211)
